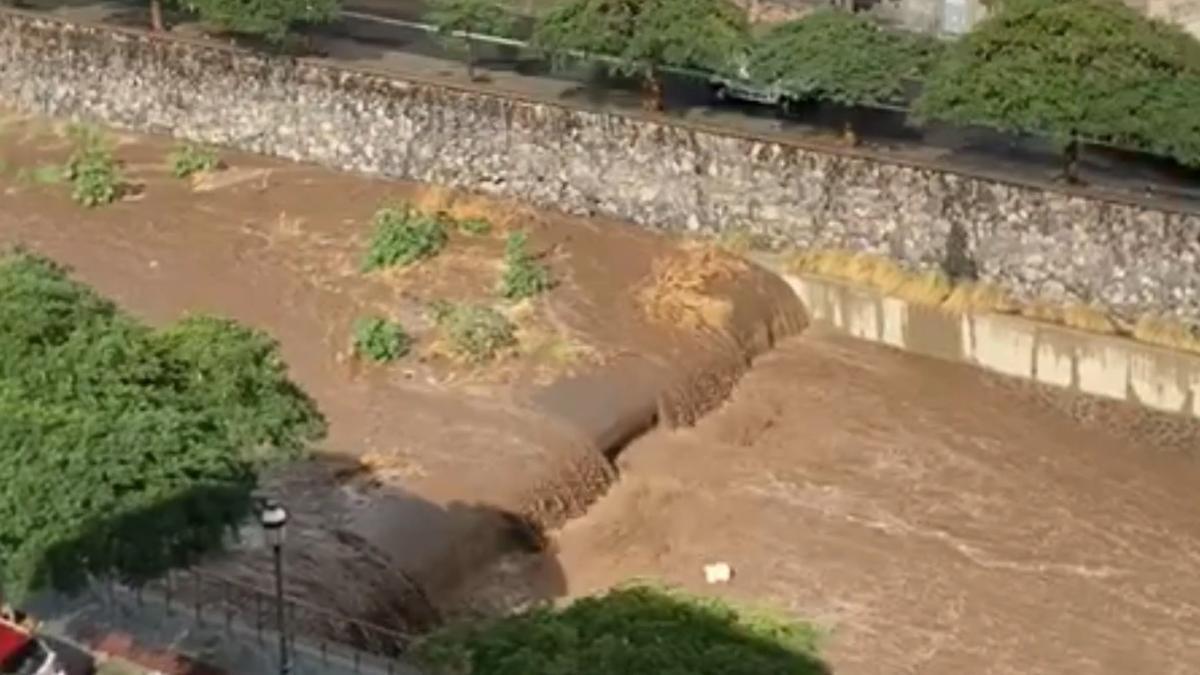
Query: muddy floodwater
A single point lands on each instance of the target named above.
(931, 518)
(934, 519)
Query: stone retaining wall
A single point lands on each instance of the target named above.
(1036, 242)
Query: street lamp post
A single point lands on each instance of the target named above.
(274, 520)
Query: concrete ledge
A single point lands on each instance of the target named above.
(1100, 365)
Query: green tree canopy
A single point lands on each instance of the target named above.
(1073, 69)
(635, 630)
(841, 57)
(640, 36)
(483, 17)
(123, 448)
(268, 19)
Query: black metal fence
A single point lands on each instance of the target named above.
(209, 600)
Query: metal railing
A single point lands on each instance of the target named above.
(209, 600)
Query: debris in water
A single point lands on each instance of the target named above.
(718, 573)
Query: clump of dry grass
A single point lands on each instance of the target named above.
(929, 288)
(934, 289)
(679, 290)
(553, 354)
(980, 297)
(1081, 317)
(1088, 318)
(874, 271)
(741, 241)
(1166, 332)
(461, 206)
(867, 269)
(1042, 310)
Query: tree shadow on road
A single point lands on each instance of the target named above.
(367, 565)
(374, 572)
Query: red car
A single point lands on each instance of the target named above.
(21, 653)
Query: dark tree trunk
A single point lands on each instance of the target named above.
(156, 15)
(653, 94)
(849, 137)
(470, 59)
(1070, 172)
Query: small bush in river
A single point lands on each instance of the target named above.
(187, 159)
(403, 236)
(43, 174)
(474, 332)
(94, 173)
(524, 276)
(475, 226)
(380, 340)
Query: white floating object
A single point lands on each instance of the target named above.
(718, 573)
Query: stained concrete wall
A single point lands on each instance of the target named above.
(1100, 365)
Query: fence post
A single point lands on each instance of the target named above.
(167, 592)
(228, 606)
(196, 598)
(258, 616)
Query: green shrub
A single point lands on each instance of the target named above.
(380, 340)
(94, 173)
(475, 333)
(403, 236)
(469, 17)
(1074, 70)
(187, 159)
(43, 174)
(271, 20)
(524, 276)
(631, 631)
(126, 449)
(640, 38)
(841, 57)
(475, 226)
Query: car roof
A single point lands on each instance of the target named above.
(12, 640)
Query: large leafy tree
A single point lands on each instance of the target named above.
(463, 19)
(125, 449)
(267, 19)
(841, 57)
(1074, 69)
(639, 37)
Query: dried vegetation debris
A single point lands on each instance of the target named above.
(681, 289)
(934, 289)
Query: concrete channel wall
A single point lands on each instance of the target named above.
(1099, 365)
